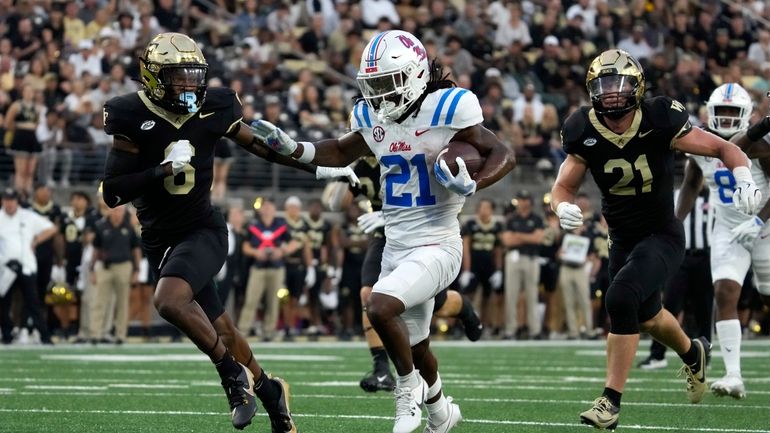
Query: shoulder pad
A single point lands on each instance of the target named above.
(360, 117)
(456, 108)
(573, 129)
(220, 98)
(119, 114)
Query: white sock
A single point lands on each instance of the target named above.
(438, 411)
(411, 380)
(729, 335)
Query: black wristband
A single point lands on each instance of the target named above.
(759, 129)
(159, 172)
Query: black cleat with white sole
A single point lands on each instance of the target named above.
(240, 395)
(378, 381)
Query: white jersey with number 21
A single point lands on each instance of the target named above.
(417, 209)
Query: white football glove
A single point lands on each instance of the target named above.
(370, 222)
(273, 137)
(496, 280)
(179, 156)
(465, 279)
(334, 172)
(461, 184)
(334, 275)
(570, 215)
(746, 232)
(746, 196)
(310, 277)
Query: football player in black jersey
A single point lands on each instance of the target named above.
(628, 144)
(449, 303)
(162, 160)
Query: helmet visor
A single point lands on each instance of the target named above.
(381, 88)
(184, 78)
(613, 91)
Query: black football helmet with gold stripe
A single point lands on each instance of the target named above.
(615, 83)
(174, 73)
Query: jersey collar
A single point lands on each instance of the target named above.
(176, 120)
(618, 140)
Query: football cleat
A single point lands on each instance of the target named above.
(696, 379)
(473, 327)
(732, 385)
(240, 394)
(653, 364)
(278, 411)
(409, 403)
(378, 381)
(454, 417)
(603, 414)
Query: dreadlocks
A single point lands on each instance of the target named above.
(438, 80)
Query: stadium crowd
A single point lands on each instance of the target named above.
(294, 63)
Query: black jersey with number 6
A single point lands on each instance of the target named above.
(179, 202)
(634, 170)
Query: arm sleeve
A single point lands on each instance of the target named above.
(123, 182)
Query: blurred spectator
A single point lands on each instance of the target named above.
(373, 10)
(528, 99)
(546, 66)
(25, 42)
(319, 236)
(522, 238)
(77, 230)
(46, 254)
(636, 44)
(457, 58)
(759, 51)
(575, 254)
(74, 28)
(50, 134)
(168, 18)
(300, 272)
(87, 59)
(265, 245)
(20, 124)
(310, 110)
(351, 249)
(585, 9)
(21, 231)
(482, 264)
(515, 30)
(232, 268)
(314, 40)
(115, 268)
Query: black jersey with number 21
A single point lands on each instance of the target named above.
(634, 170)
(179, 202)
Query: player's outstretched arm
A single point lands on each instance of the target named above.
(699, 142)
(246, 139)
(499, 159)
(691, 186)
(123, 179)
(337, 152)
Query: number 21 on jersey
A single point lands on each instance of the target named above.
(424, 197)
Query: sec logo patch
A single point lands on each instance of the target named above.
(378, 133)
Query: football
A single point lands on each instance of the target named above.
(468, 152)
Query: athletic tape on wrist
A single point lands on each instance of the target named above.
(308, 152)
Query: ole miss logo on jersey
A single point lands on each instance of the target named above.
(400, 146)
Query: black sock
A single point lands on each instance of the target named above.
(466, 311)
(266, 389)
(613, 396)
(227, 366)
(692, 356)
(380, 358)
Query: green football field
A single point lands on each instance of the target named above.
(511, 387)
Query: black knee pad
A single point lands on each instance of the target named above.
(622, 303)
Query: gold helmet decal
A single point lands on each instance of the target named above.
(173, 71)
(615, 83)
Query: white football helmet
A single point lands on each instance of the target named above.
(729, 109)
(394, 72)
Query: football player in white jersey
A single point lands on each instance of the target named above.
(409, 113)
(738, 240)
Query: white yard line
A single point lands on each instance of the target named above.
(103, 392)
(384, 418)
